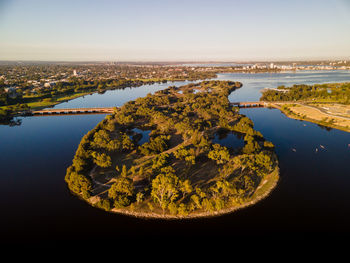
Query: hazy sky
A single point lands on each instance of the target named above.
(158, 30)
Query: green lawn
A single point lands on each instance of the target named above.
(40, 104)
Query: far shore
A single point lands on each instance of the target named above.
(311, 113)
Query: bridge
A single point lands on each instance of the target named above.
(109, 110)
(72, 111)
(249, 104)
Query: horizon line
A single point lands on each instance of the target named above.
(179, 61)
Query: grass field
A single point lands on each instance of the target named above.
(327, 114)
(45, 103)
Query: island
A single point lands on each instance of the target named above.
(163, 156)
(327, 105)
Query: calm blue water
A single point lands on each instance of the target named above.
(313, 193)
(116, 98)
(254, 83)
(145, 135)
(230, 140)
(312, 197)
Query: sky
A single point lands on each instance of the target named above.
(174, 30)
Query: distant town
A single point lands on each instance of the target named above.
(40, 84)
(20, 78)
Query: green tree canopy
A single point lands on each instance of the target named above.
(165, 189)
(220, 154)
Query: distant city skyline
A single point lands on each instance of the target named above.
(168, 30)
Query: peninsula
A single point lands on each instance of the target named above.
(160, 156)
(325, 104)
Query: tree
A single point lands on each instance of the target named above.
(183, 154)
(124, 172)
(102, 140)
(104, 204)
(165, 189)
(127, 143)
(244, 125)
(156, 145)
(78, 183)
(172, 208)
(251, 145)
(182, 210)
(121, 191)
(196, 200)
(260, 163)
(132, 171)
(268, 144)
(160, 161)
(122, 186)
(185, 187)
(208, 205)
(101, 159)
(140, 197)
(220, 154)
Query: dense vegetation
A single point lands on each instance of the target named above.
(335, 92)
(179, 171)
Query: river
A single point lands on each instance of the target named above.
(312, 197)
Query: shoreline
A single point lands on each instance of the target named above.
(254, 200)
(50, 104)
(248, 191)
(308, 119)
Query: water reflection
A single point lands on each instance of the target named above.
(312, 196)
(254, 83)
(141, 136)
(116, 98)
(11, 122)
(229, 139)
